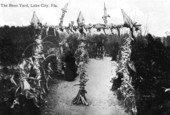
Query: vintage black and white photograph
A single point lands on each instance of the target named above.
(84, 57)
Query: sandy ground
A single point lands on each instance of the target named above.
(101, 100)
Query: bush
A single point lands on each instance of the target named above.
(111, 44)
(13, 41)
(152, 62)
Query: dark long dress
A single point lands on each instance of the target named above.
(70, 70)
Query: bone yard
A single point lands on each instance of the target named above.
(83, 69)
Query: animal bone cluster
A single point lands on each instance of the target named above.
(126, 90)
(81, 55)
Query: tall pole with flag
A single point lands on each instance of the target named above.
(133, 26)
(127, 20)
(81, 24)
(80, 19)
(105, 16)
(81, 59)
(35, 21)
(124, 62)
(64, 10)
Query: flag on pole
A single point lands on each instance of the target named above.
(80, 19)
(105, 14)
(35, 21)
(127, 20)
(64, 9)
(105, 10)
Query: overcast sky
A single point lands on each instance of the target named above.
(153, 14)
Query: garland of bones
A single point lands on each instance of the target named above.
(80, 62)
(81, 56)
(126, 88)
(27, 90)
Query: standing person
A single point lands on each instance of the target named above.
(70, 67)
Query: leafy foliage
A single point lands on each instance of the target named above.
(109, 44)
(13, 41)
(152, 77)
(123, 81)
(24, 75)
(81, 55)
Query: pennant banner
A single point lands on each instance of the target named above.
(127, 21)
(80, 19)
(64, 10)
(105, 16)
(65, 7)
(35, 21)
(105, 10)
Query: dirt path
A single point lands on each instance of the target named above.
(101, 99)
